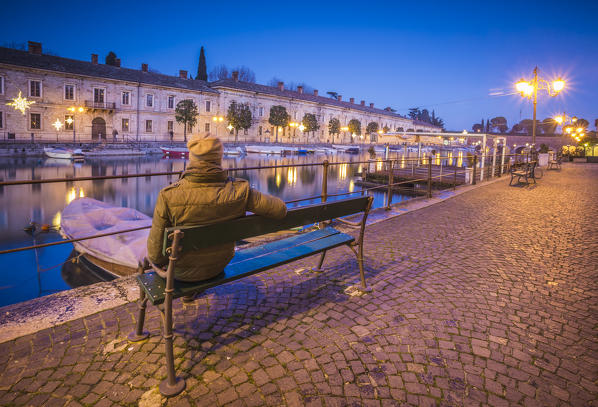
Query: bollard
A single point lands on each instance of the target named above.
(429, 177)
(364, 175)
(475, 164)
(390, 182)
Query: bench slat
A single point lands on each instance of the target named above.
(251, 261)
(197, 237)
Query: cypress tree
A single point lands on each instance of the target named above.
(202, 70)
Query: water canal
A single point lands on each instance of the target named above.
(40, 272)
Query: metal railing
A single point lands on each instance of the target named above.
(92, 104)
(421, 169)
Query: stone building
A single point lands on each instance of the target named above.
(93, 101)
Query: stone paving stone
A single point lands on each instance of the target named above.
(488, 298)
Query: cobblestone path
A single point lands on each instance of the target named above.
(489, 298)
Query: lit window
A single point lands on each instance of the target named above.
(171, 102)
(98, 95)
(126, 98)
(69, 92)
(125, 125)
(148, 126)
(208, 105)
(149, 100)
(35, 121)
(35, 89)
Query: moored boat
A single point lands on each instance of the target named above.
(64, 154)
(119, 254)
(175, 152)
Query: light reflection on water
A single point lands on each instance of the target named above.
(43, 203)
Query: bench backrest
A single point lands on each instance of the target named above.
(197, 237)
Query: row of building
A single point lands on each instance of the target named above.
(89, 101)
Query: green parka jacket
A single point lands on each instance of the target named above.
(200, 199)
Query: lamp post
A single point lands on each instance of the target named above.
(217, 120)
(57, 125)
(529, 89)
(70, 120)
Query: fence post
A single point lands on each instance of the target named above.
(325, 180)
(455, 179)
(364, 176)
(475, 164)
(429, 177)
(390, 182)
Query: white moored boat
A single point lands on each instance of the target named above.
(62, 153)
(117, 255)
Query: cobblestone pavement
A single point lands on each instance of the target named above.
(488, 298)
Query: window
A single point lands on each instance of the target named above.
(261, 111)
(35, 89)
(171, 102)
(148, 126)
(35, 121)
(69, 122)
(1, 121)
(69, 92)
(98, 95)
(208, 105)
(149, 100)
(260, 130)
(1, 85)
(170, 125)
(207, 127)
(126, 98)
(125, 125)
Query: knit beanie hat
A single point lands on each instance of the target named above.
(205, 151)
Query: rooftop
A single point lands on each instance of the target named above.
(46, 62)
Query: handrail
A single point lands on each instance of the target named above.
(104, 177)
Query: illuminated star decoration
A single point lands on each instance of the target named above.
(69, 120)
(20, 103)
(57, 124)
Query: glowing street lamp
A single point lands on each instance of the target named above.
(529, 89)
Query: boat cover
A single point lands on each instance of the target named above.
(88, 217)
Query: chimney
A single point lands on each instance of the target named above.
(300, 89)
(281, 86)
(94, 59)
(363, 103)
(236, 76)
(352, 100)
(144, 67)
(372, 105)
(315, 92)
(339, 98)
(182, 74)
(34, 47)
(118, 62)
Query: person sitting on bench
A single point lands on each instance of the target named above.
(203, 195)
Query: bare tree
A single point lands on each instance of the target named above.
(218, 72)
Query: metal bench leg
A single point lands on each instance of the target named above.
(320, 263)
(359, 251)
(172, 385)
(139, 334)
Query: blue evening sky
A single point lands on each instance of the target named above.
(447, 56)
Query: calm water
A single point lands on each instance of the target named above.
(34, 273)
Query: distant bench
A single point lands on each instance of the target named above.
(525, 171)
(161, 291)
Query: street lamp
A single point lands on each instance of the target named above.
(57, 125)
(71, 120)
(217, 120)
(529, 89)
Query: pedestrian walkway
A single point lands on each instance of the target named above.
(487, 298)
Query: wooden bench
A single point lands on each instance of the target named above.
(525, 171)
(160, 287)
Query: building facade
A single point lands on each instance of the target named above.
(88, 101)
